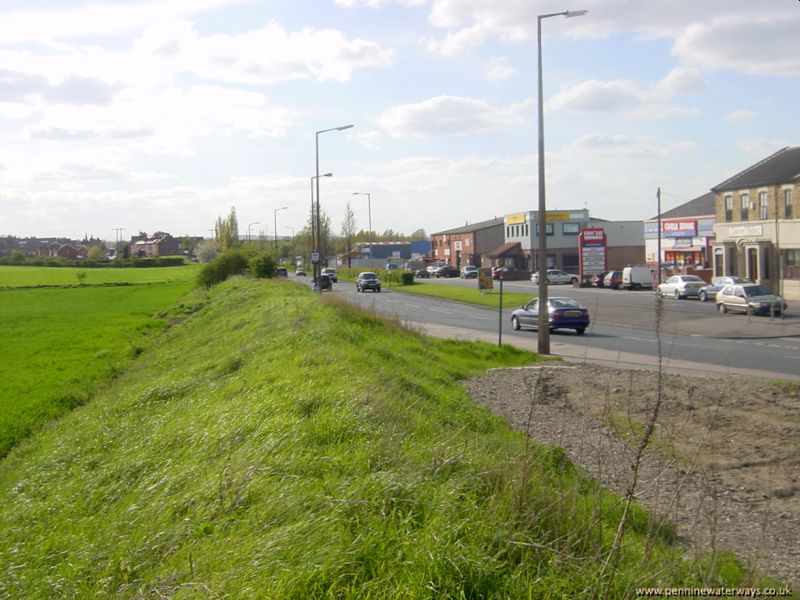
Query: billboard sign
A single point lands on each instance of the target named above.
(592, 246)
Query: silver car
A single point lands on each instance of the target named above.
(710, 291)
(555, 276)
(681, 286)
(749, 298)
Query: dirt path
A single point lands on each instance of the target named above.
(723, 463)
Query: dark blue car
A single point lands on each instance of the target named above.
(564, 313)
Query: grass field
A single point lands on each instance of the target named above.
(23, 276)
(280, 445)
(471, 295)
(57, 344)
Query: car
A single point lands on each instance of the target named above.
(564, 313)
(556, 276)
(613, 280)
(709, 292)
(330, 272)
(281, 272)
(681, 286)
(497, 272)
(391, 266)
(749, 298)
(300, 272)
(422, 273)
(325, 283)
(368, 280)
(597, 280)
(469, 272)
(445, 271)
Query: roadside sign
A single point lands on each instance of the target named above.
(315, 258)
(592, 249)
(485, 279)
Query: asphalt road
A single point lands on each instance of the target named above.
(694, 337)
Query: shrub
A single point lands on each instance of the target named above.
(218, 270)
(407, 278)
(262, 265)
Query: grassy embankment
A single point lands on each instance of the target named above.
(57, 344)
(278, 445)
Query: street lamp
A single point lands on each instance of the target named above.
(319, 234)
(275, 217)
(369, 213)
(313, 218)
(544, 324)
(248, 228)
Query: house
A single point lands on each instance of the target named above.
(758, 223)
(161, 244)
(687, 233)
(467, 245)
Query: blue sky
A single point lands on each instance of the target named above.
(161, 115)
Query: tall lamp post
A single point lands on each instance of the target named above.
(544, 324)
(369, 215)
(313, 211)
(275, 223)
(319, 234)
(248, 228)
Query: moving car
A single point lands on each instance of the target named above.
(469, 272)
(709, 292)
(749, 297)
(564, 313)
(368, 280)
(681, 286)
(300, 272)
(281, 272)
(330, 272)
(556, 276)
(613, 280)
(325, 283)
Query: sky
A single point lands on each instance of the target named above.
(163, 114)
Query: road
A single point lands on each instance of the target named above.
(694, 337)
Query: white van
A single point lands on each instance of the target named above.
(637, 278)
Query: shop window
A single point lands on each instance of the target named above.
(570, 228)
(762, 206)
(548, 228)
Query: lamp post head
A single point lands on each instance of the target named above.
(327, 175)
(343, 127)
(575, 13)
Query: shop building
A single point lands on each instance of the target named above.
(687, 233)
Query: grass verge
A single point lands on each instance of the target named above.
(463, 294)
(280, 445)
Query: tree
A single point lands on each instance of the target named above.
(417, 235)
(96, 252)
(226, 231)
(348, 233)
(205, 251)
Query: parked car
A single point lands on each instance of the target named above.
(597, 280)
(367, 280)
(445, 271)
(555, 276)
(300, 272)
(681, 286)
(613, 280)
(497, 272)
(325, 283)
(422, 273)
(469, 272)
(564, 313)
(331, 272)
(709, 292)
(281, 272)
(636, 278)
(749, 297)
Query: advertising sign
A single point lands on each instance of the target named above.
(679, 228)
(516, 219)
(485, 279)
(592, 247)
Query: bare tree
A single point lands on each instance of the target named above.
(348, 233)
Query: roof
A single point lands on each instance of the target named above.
(702, 205)
(473, 227)
(505, 249)
(781, 167)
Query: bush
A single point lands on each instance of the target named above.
(262, 265)
(231, 262)
(407, 278)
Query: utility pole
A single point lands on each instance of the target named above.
(119, 231)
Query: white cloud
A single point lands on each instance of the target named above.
(740, 116)
(498, 69)
(682, 80)
(369, 139)
(445, 115)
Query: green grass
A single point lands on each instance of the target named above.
(24, 276)
(58, 343)
(279, 445)
(463, 294)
